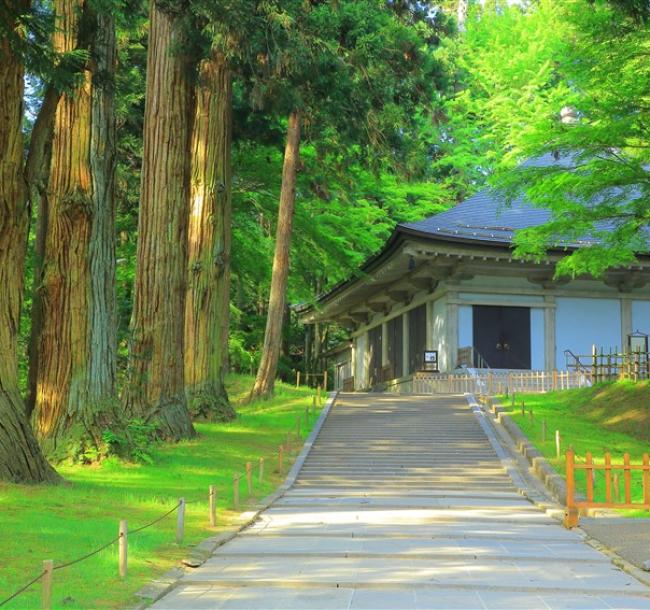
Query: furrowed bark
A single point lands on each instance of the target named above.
(156, 388)
(265, 380)
(208, 265)
(20, 457)
(74, 400)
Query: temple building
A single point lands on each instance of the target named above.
(449, 286)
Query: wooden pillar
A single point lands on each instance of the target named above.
(549, 334)
(405, 343)
(626, 321)
(429, 326)
(384, 343)
(452, 330)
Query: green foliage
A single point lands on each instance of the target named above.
(134, 442)
(520, 68)
(67, 521)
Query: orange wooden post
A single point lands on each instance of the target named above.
(571, 514)
(646, 479)
(627, 474)
(590, 477)
(608, 478)
(249, 477)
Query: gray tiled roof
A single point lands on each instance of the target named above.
(483, 217)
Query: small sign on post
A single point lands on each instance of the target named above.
(430, 361)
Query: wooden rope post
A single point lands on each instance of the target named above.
(212, 498)
(608, 478)
(261, 470)
(249, 477)
(46, 581)
(571, 514)
(280, 458)
(646, 479)
(325, 380)
(123, 548)
(235, 491)
(297, 379)
(627, 478)
(180, 521)
(558, 445)
(590, 476)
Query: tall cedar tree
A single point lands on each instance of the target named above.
(156, 391)
(20, 457)
(209, 237)
(354, 69)
(76, 363)
(265, 379)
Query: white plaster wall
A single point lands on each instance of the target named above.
(465, 326)
(641, 316)
(361, 362)
(439, 329)
(581, 323)
(537, 338)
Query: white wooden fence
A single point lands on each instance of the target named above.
(487, 382)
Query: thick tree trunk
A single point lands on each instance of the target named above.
(156, 390)
(75, 378)
(208, 237)
(20, 457)
(265, 380)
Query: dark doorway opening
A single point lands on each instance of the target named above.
(502, 336)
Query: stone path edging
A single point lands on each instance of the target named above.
(162, 585)
(552, 481)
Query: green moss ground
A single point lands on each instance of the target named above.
(67, 521)
(613, 417)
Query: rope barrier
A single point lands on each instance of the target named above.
(111, 542)
(22, 589)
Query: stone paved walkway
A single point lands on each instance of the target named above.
(404, 504)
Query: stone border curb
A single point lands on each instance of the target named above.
(540, 466)
(198, 555)
(554, 484)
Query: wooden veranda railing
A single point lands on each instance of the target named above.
(610, 471)
(490, 382)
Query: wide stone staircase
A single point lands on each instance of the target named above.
(403, 503)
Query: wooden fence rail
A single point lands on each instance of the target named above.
(490, 382)
(573, 505)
